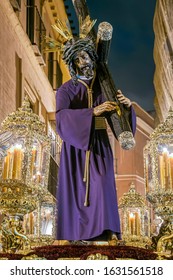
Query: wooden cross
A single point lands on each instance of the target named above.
(119, 123)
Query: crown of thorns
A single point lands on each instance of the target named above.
(69, 45)
(72, 47)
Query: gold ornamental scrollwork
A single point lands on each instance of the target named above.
(97, 256)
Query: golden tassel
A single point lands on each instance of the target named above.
(86, 177)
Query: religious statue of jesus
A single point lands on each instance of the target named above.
(87, 208)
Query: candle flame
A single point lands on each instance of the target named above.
(165, 150)
(131, 215)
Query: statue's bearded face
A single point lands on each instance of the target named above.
(84, 64)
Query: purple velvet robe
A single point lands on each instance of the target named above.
(74, 122)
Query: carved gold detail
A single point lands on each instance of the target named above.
(158, 166)
(126, 140)
(97, 256)
(135, 219)
(105, 30)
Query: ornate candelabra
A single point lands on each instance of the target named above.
(135, 218)
(158, 165)
(24, 166)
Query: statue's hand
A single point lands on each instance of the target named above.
(122, 99)
(107, 106)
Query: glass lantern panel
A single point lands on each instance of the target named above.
(47, 219)
(30, 222)
(39, 163)
(13, 162)
(35, 161)
(44, 165)
(122, 220)
(156, 224)
(148, 173)
(165, 166)
(146, 223)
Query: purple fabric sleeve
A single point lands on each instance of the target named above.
(73, 125)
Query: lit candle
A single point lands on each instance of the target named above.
(136, 224)
(5, 168)
(171, 169)
(17, 161)
(31, 223)
(162, 171)
(14, 164)
(165, 160)
(6, 165)
(33, 161)
(10, 169)
(40, 154)
(132, 223)
(38, 177)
